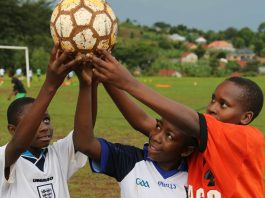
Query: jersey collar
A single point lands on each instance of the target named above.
(165, 174)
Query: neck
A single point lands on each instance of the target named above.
(35, 151)
(168, 166)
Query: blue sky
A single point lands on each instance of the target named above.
(201, 14)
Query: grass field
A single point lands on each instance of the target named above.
(194, 92)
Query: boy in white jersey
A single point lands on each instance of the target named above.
(29, 166)
(158, 170)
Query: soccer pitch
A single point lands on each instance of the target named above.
(194, 92)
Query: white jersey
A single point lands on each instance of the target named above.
(28, 181)
(138, 176)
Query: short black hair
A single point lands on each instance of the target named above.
(252, 97)
(16, 109)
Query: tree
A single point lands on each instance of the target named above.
(39, 59)
(138, 54)
(230, 33)
(233, 66)
(238, 42)
(259, 46)
(162, 26)
(247, 35)
(261, 27)
(200, 51)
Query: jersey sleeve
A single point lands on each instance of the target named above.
(11, 179)
(117, 160)
(70, 160)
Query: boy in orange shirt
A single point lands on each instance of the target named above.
(230, 159)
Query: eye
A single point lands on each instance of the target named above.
(158, 125)
(223, 105)
(169, 136)
(213, 98)
(47, 120)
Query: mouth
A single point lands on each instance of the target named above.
(153, 149)
(45, 138)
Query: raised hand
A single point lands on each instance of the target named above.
(108, 69)
(84, 73)
(59, 66)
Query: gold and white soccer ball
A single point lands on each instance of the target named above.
(82, 26)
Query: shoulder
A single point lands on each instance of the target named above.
(121, 149)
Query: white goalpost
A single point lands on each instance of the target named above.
(26, 58)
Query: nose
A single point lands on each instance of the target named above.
(43, 127)
(157, 137)
(212, 108)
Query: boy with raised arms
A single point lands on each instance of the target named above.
(29, 165)
(229, 161)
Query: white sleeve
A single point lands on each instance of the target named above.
(70, 160)
(11, 178)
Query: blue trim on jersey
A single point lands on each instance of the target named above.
(29, 154)
(37, 161)
(165, 174)
(118, 160)
(104, 155)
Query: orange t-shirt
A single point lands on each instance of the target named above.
(230, 163)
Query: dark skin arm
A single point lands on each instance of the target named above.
(59, 66)
(84, 139)
(109, 70)
(135, 115)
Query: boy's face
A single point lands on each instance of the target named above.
(166, 144)
(226, 105)
(44, 133)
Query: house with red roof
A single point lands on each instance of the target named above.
(221, 46)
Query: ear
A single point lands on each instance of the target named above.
(11, 128)
(187, 151)
(246, 118)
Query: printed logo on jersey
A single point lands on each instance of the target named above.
(43, 180)
(141, 182)
(46, 191)
(166, 185)
(209, 176)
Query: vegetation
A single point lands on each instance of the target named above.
(148, 49)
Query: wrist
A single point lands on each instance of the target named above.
(86, 83)
(130, 85)
(50, 88)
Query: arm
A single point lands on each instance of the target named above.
(108, 69)
(25, 131)
(136, 116)
(83, 137)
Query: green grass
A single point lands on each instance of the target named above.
(194, 92)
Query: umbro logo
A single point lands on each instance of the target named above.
(142, 183)
(209, 175)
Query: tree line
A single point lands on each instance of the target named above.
(26, 23)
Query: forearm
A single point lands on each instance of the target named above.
(183, 117)
(83, 118)
(84, 140)
(136, 116)
(94, 102)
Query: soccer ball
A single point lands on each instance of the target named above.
(82, 26)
